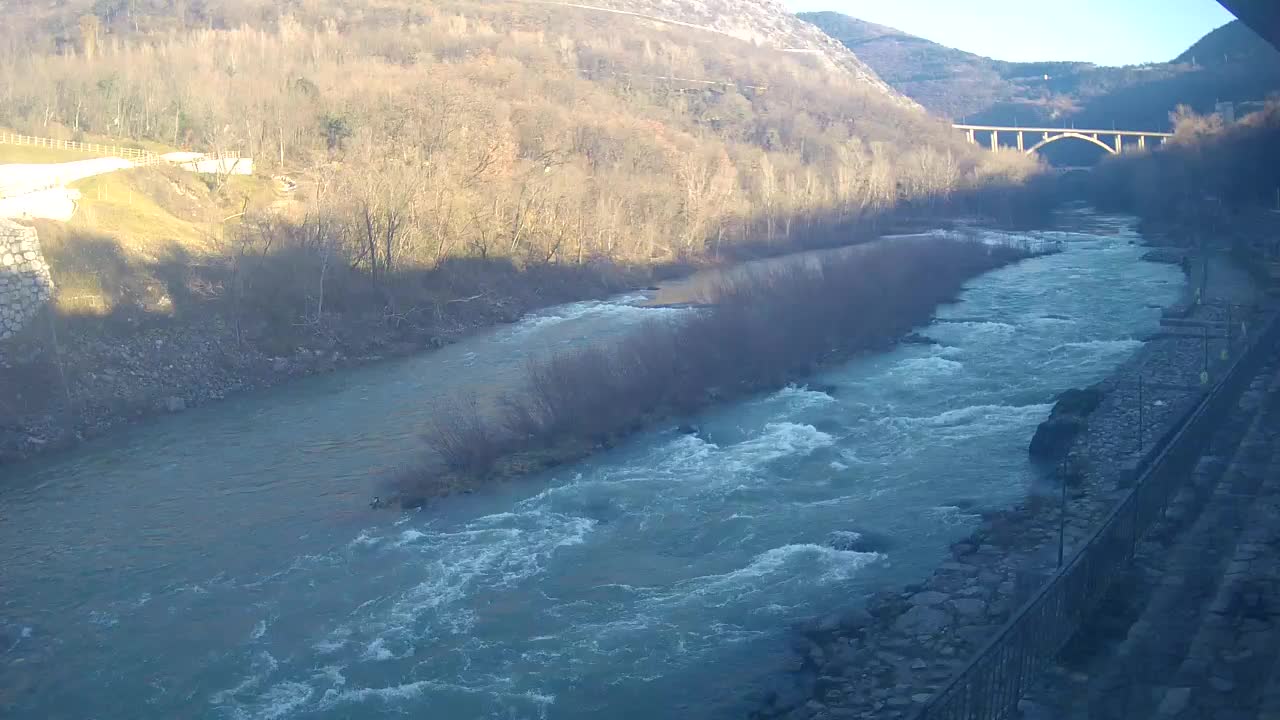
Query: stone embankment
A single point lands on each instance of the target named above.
(25, 283)
(94, 374)
(887, 659)
(1193, 631)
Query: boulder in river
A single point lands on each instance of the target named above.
(863, 541)
(1054, 436)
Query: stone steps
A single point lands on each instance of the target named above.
(1120, 664)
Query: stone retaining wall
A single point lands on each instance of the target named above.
(25, 283)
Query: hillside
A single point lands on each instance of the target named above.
(456, 164)
(1229, 64)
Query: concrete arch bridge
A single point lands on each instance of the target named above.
(1113, 141)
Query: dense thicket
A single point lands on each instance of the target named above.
(1207, 174)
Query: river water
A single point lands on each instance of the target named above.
(223, 563)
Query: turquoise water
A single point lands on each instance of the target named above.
(223, 563)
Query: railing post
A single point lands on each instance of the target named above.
(1141, 408)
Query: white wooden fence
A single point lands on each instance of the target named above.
(137, 155)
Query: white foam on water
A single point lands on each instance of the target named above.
(103, 619)
(407, 691)
(951, 515)
(619, 310)
(918, 371)
(1045, 320)
(410, 536)
(800, 397)
(329, 645)
(262, 665)
(498, 688)
(333, 674)
(259, 630)
(983, 327)
(804, 562)
(1109, 347)
(837, 465)
(364, 539)
(779, 440)
(836, 537)
(378, 651)
(492, 553)
(280, 700)
(968, 422)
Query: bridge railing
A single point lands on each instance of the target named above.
(989, 687)
(138, 155)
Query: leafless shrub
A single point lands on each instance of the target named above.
(466, 440)
(765, 329)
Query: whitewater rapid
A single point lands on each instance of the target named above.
(244, 579)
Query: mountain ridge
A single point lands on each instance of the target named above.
(1229, 63)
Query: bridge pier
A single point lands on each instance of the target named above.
(1021, 148)
(1119, 144)
(972, 139)
(1142, 142)
(995, 140)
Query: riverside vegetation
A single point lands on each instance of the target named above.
(492, 158)
(763, 331)
(1214, 183)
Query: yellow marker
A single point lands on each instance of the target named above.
(1224, 353)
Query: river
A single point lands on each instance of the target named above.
(223, 563)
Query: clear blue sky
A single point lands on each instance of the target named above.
(1107, 32)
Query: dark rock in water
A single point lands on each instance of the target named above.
(1054, 436)
(1079, 402)
(824, 389)
(963, 503)
(864, 541)
(918, 339)
(688, 430)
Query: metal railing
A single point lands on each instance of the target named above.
(990, 685)
(137, 155)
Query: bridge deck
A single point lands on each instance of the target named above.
(1082, 131)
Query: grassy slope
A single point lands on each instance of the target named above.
(131, 219)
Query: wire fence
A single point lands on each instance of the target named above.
(989, 687)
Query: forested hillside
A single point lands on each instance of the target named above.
(456, 164)
(517, 129)
(1229, 64)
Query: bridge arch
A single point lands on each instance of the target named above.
(1075, 135)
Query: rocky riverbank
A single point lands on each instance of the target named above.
(64, 380)
(885, 659)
